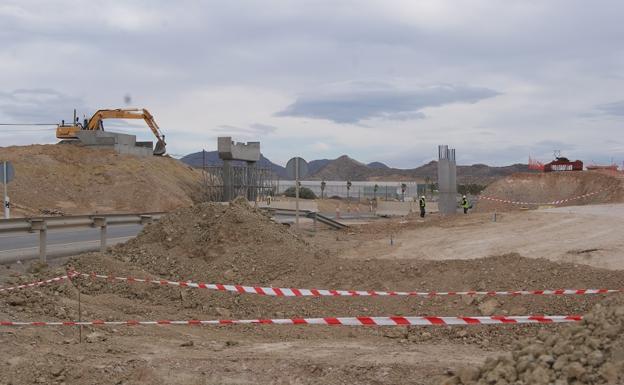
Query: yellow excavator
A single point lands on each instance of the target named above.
(69, 132)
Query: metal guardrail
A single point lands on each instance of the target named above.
(25, 224)
(43, 224)
(308, 214)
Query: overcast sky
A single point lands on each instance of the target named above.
(377, 80)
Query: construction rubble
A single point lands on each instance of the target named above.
(591, 352)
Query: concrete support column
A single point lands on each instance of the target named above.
(101, 223)
(227, 181)
(447, 181)
(41, 226)
(252, 191)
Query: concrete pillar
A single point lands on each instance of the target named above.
(251, 183)
(227, 181)
(41, 226)
(101, 223)
(447, 181)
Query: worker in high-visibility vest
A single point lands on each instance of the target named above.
(465, 204)
(422, 203)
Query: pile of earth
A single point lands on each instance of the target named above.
(549, 187)
(69, 179)
(236, 244)
(591, 352)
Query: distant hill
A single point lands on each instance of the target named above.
(476, 173)
(344, 168)
(315, 166)
(377, 165)
(196, 159)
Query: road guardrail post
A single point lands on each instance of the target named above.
(101, 223)
(146, 219)
(41, 226)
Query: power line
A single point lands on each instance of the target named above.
(26, 131)
(28, 124)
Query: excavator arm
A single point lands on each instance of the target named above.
(95, 123)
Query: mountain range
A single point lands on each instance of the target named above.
(346, 168)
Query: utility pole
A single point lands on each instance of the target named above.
(5, 181)
(297, 193)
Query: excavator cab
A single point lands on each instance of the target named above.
(68, 131)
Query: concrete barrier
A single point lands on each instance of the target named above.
(389, 208)
(304, 204)
(392, 208)
(121, 143)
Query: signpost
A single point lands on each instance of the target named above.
(7, 173)
(297, 168)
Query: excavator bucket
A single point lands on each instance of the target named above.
(160, 148)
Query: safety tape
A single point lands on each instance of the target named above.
(39, 283)
(345, 321)
(293, 292)
(557, 202)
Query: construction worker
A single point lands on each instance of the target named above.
(465, 204)
(422, 204)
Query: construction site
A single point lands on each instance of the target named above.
(524, 289)
(422, 192)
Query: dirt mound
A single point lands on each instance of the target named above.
(549, 187)
(589, 353)
(237, 244)
(67, 179)
(232, 242)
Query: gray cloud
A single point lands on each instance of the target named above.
(38, 105)
(615, 108)
(232, 64)
(253, 130)
(352, 102)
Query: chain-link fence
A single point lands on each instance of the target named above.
(249, 182)
(360, 190)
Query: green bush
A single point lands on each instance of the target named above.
(472, 189)
(304, 193)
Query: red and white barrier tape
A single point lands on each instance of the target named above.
(345, 321)
(557, 202)
(292, 292)
(39, 283)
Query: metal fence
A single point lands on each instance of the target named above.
(387, 190)
(249, 182)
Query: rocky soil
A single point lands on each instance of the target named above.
(588, 353)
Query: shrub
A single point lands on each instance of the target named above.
(472, 189)
(304, 193)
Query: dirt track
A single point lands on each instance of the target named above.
(590, 235)
(238, 245)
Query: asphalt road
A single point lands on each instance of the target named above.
(61, 242)
(67, 242)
